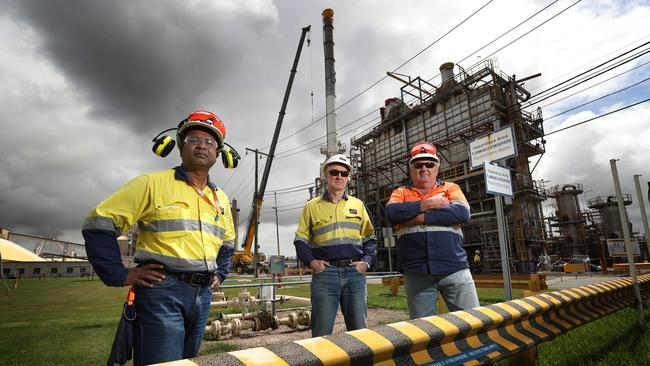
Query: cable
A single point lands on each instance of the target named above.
(497, 38)
(592, 86)
(385, 76)
(597, 117)
(597, 99)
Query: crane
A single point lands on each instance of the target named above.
(242, 260)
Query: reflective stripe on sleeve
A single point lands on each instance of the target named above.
(100, 223)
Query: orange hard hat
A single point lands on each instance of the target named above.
(204, 120)
(424, 150)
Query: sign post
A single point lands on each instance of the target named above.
(483, 150)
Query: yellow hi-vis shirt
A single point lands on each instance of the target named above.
(177, 227)
(333, 231)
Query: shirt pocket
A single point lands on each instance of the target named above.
(173, 220)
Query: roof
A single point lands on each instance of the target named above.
(10, 251)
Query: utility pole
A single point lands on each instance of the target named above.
(277, 227)
(628, 245)
(644, 216)
(257, 202)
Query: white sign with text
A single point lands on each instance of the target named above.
(494, 146)
(497, 180)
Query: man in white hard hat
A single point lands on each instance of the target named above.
(336, 239)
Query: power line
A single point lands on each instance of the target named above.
(385, 76)
(592, 86)
(495, 39)
(597, 117)
(597, 99)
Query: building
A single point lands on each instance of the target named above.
(466, 105)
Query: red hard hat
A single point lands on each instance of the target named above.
(205, 120)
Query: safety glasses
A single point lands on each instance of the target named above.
(196, 140)
(335, 173)
(420, 164)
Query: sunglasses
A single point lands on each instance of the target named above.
(420, 164)
(335, 173)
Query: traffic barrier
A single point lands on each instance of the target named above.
(625, 267)
(483, 334)
(534, 282)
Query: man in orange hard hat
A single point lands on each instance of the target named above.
(185, 242)
(430, 251)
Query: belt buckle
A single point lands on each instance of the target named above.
(198, 279)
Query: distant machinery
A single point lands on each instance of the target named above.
(464, 106)
(608, 208)
(569, 219)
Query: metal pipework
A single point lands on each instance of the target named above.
(233, 326)
(330, 81)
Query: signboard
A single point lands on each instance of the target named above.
(616, 247)
(497, 145)
(497, 180)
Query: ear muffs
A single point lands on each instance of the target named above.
(229, 157)
(163, 146)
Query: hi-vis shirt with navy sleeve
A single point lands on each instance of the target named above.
(334, 231)
(177, 227)
(437, 246)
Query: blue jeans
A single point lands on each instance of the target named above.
(334, 286)
(171, 320)
(457, 289)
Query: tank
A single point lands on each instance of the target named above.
(608, 207)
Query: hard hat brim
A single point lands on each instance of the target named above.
(425, 156)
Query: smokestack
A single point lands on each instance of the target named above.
(330, 81)
(447, 72)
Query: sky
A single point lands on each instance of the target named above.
(86, 85)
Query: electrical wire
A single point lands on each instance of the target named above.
(354, 97)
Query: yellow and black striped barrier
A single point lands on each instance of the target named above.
(486, 333)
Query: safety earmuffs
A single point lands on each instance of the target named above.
(163, 145)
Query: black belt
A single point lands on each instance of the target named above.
(341, 263)
(196, 279)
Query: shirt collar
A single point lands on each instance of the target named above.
(181, 174)
(327, 196)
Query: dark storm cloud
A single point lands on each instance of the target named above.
(136, 62)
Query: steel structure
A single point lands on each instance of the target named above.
(464, 106)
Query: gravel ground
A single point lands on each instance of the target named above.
(284, 334)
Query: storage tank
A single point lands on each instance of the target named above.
(608, 207)
(569, 217)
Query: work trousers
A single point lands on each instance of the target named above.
(171, 320)
(457, 290)
(338, 285)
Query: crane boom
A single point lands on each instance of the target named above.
(257, 200)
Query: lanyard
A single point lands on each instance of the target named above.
(201, 194)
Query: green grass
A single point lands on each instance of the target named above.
(72, 322)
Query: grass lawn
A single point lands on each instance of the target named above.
(72, 322)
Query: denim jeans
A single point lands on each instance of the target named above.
(338, 285)
(171, 320)
(457, 289)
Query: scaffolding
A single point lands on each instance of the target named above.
(463, 107)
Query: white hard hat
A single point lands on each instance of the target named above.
(338, 159)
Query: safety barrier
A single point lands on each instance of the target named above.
(532, 282)
(486, 333)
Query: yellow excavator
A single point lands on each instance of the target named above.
(244, 261)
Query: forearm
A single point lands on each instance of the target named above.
(103, 253)
(303, 252)
(454, 214)
(224, 258)
(369, 250)
(399, 212)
